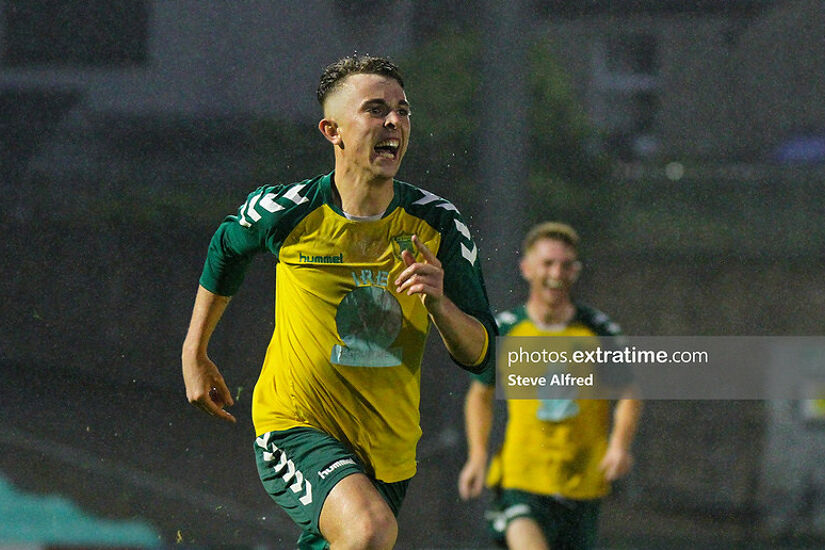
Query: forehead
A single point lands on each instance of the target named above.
(363, 87)
(548, 248)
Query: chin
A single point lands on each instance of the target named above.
(554, 295)
(387, 171)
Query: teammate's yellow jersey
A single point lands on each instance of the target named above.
(553, 447)
(346, 352)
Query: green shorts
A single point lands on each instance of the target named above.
(566, 524)
(300, 466)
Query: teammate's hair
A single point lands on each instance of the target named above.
(335, 73)
(551, 230)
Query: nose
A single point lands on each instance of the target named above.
(391, 120)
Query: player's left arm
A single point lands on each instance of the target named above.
(465, 337)
(618, 460)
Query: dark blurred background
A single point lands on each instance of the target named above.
(684, 140)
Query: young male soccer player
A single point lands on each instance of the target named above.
(557, 458)
(365, 264)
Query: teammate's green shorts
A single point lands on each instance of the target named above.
(566, 524)
(299, 467)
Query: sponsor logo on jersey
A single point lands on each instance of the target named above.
(308, 259)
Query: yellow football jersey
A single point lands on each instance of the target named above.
(553, 447)
(346, 352)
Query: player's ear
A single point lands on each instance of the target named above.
(331, 132)
(524, 267)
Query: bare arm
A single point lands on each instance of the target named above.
(478, 420)
(463, 335)
(618, 459)
(205, 387)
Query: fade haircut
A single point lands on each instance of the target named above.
(551, 230)
(335, 73)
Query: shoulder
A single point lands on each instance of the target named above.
(435, 210)
(443, 216)
(274, 202)
(506, 320)
(597, 320)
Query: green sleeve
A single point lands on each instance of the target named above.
(238, 239)
(229, 255)
(505, 321)
(464, 283)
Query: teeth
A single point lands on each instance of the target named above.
(393, 142)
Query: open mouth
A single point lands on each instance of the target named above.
(388, 148)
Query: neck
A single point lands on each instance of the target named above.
(361, 196)
(559, 313)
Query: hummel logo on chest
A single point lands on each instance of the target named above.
(336, 259)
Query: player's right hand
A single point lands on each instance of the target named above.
(471, 479)
(205, 387)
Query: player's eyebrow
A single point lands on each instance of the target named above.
(382, 102)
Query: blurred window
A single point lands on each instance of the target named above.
(74, 33)
(631, 54)
(362, 9)
(625, 93)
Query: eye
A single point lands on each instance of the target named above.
(404, 112)
(377, 110)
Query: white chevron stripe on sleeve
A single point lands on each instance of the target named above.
(432, 197)
(293, 195)
(268, 203)
(469, 254)
(250, 209)
(427, 198)
(463, 229)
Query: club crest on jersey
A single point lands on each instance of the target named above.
(402, 243)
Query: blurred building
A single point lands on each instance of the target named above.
(145, 100)
(208, 59)
(697, 80)
(661, 78)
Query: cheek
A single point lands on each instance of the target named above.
(533, 276)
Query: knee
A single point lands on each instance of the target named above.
(376, 530)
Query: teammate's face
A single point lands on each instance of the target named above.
(550, 267)
(370, 117)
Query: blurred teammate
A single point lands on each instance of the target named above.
(365, 264)
(558, 456)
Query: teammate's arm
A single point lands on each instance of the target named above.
(463, 335)
(618, 460)
(200, 374)
(478, 420)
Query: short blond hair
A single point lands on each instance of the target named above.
(551, 230)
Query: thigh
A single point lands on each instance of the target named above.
(519, 518)
(523, 533)
(353, 499)
(561, 522)
(360, 494)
